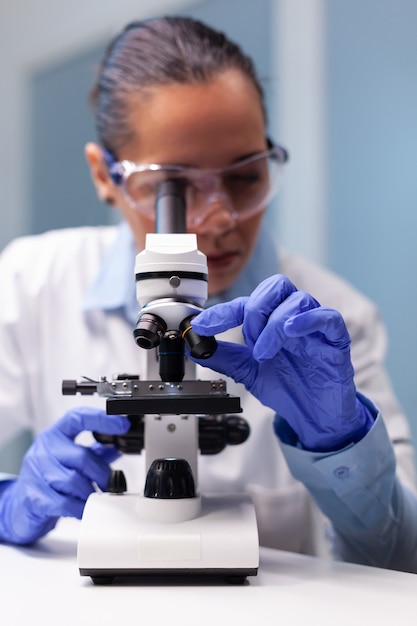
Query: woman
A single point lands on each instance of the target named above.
(173, 95)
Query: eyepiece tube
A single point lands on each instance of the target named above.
(170, 209)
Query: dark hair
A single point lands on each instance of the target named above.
(154, 52)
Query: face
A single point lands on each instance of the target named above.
(210, 125)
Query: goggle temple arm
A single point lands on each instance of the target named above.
(283, 151)
(111, 163)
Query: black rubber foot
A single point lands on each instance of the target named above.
(102, 580)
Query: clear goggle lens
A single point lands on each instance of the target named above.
(247, 186)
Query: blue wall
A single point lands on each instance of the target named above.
(372, 151)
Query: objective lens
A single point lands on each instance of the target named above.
(150, 328)
(172, 357)
(199, 347)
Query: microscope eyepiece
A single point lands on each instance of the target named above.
(199, 347)
(150, 328)
(170, 209)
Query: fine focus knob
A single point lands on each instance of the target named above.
(169, 478)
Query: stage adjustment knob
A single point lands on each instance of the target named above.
(116, 482)
(169, 478)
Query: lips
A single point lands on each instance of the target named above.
(221, 261)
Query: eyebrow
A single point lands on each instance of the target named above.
(234, 162)
(269, 145)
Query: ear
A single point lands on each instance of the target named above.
(101, 178)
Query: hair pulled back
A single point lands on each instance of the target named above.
(156, 52)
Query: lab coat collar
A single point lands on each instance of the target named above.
(114, 288)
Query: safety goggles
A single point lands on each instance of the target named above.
(243, 188)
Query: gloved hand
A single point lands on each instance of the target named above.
(57, 475)
(296, 360)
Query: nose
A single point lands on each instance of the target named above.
(217, 217)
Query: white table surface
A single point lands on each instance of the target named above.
(41, 585)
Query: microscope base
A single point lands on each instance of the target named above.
(121, 536)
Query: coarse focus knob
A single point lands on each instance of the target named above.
(170, 478)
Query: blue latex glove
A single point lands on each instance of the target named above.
(296, 360)
(57, 475)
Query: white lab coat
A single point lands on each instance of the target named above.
(45, 338)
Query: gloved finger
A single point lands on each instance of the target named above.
(60, 478)
(220, 317)
(70, 483)
(70, 506)
(106, 452)
(256, 308)
(72, 468)
(323, 320)
(79, 419)
(272, 337)
(265, 299)
(46, 502)
(233, 360)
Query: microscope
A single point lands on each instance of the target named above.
(170, 528)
